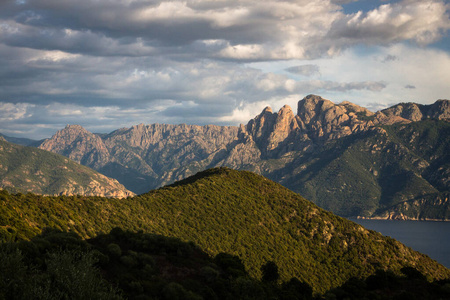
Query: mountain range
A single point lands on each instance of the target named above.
(393, 164)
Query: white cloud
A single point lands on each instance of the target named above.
(421, 21)
(12, 112)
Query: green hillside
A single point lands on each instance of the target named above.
(236, 212)
(27, 169)
(128, 265)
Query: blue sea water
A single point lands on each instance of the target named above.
(428, 237)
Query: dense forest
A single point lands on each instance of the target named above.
(137, 265)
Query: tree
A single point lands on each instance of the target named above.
(270, 272)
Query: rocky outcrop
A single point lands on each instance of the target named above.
(324, 120)
(440, 110)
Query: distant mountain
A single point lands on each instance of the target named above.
(341, 156)
(20, 141)
(27, 169)
(236, 212)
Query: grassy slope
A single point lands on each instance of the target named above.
(229, 211)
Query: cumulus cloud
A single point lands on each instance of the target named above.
(245, 30)
(420, 21)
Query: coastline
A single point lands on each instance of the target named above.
(402, 218)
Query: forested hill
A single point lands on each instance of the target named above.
(236, 212)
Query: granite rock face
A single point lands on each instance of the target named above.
(293, 149)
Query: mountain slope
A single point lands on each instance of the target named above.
(26, 169)
(366, 173)
(236, 212)
(304, 152)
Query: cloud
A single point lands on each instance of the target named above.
(389, 58)
(411, 87)
(305, 70)
(243, 30)
(423, 22)
(109, 63)
(10, 112)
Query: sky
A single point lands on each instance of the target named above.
(108, 64)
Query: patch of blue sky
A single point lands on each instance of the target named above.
(443, 44)
(365, 5)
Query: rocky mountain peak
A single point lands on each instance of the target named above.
(408, 111)
(440, 110)
(78, 144)
(267, 109)
(416, 112)
(310, 107)
(285, 110)
(72, 131)
(351, 107)
(270, 129)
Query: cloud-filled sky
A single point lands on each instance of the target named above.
(107, 64)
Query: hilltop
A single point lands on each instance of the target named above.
(236, 212)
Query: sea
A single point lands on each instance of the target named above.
(428, 237)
